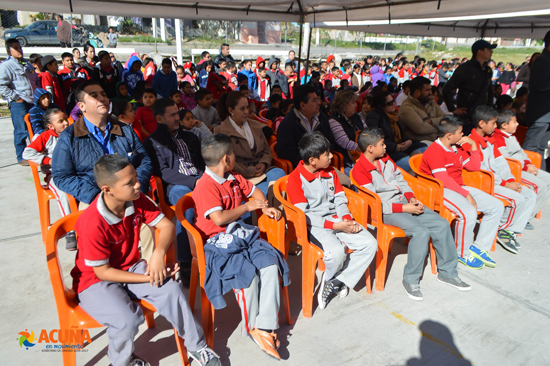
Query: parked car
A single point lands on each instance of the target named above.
(43, 32)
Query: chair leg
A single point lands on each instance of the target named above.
(494, 247)
(44, 214)
(308, 281)
(367, 278)
(181, 349)
(381, 262)
(433, 258)
(207, 314)
(150, 320)
(193, 283)
(286, 302)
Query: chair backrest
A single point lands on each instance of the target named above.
(29, 126)
(36, 178)
(358, 206)
(157, 190)
(263, 112)
(355, 155)
(374, 213)
(515, 168)
(435, 184)
(483, 180)
(278, 162)
(536, 158)
(338, 161)
(295, 218)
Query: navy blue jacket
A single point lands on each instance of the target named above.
(77, 151)
(163, 152)
(232, 261)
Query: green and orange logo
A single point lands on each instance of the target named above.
(26, 339)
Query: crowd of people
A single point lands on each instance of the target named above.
(102, 128)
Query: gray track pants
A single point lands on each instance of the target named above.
(260, 302)
(521, 208)
(347, 270)
(542, 183)
(111, 304)
(420, 228)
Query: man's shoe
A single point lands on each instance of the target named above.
(413, 291)
(266, 341)
(205, 357)
(455, 282)
(471, 262)
(326, 291)
(70, 241)
(507, 240)
(23, 162)
(483, 256)
(529, 226)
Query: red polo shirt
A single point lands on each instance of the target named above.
(214, 193)
(104, 238)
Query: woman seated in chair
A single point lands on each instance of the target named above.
(398, 145)
(252, 152)
(344, 123)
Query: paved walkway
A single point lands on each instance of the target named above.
(503, 321)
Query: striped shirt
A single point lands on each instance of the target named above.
(340, 136)
(186, 161)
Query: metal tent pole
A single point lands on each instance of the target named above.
(307, 59)
(300, 48)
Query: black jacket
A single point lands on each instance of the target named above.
(291, 131)
(107, 80)
(350, 127)
(539, 88)
(378, 118)
(163, 152)
(474, 87)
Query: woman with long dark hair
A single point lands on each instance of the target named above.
(398, 145)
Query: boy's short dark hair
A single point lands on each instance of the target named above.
(313, 145)
(230, 64)
(369, 136)
(335, 68)
(504, 117)
(183, 84)
(241, 77)
(243, 88)
(166, 61)
(418, 83)
(201, 94)
(173, 92)
(118, 107)
(64, 55)
(215, 147)
(521, 92)
(10, 42)
(274, 98)
(150, 91)
(407, 84)
(79, 92)
(34, 57)
(502, 101)
(262, 69)
(48, 115)
(285, 104)
(449, 124)
(276, 86)
(106, 168)
(160, 105)
(484, 113)
(102, 54)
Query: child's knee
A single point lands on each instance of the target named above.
(337, 255)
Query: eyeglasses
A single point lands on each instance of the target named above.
(390, 103)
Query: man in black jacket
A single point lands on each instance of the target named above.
(176, 158)
(224, 55)
(473, 81)
(538, 108)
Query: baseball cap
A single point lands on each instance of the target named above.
(47, 59)
(480, 45)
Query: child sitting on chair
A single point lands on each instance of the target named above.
(109, 273)
(237, 259)
(314, 187)
(40, 151)
(378, 173)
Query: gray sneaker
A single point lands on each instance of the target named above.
(413, 291)
(455, 282)
(529, 226)
(205, 357)
(508, 241)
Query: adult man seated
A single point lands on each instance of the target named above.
(176, 157)
(419, 113)
(93, 135)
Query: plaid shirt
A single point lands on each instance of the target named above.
(186, 162)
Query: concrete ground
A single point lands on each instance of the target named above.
(503, 320)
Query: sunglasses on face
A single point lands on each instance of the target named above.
(390, 103)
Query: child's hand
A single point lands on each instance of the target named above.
(532, 169)
(259, 169)
(347, 226)
(466, 140)
(515, 186)
(196, 123)
(413, 208)
(156, 270)
(272, 212)
(471, 200)
(253, 205)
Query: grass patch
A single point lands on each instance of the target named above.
(142, 39)
(514, 55)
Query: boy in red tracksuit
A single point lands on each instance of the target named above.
(40, 151)
(444, 160)
(264, 85)
(50, 80)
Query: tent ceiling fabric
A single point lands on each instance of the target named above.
(314, 11)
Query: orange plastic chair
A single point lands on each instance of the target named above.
(386, 233)
(312, 255)
(284, 164)
(71, 121)
(29, 126)
(44, 195)
(263, 120)
(272, 139)
(263, 112)
(71, 315)
(273, 231)
(338, 161)
(157, 193)
(520, 134)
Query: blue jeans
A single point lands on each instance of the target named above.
(18, 112)
(184, 249)
(271, 176)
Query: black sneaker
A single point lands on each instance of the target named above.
(205, 357)
(185, 276)
(136, 361)
(508, 241)
(70, 241)
(326, 292)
